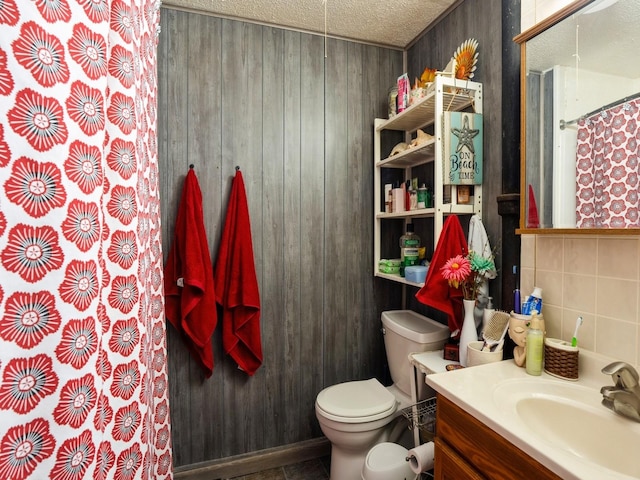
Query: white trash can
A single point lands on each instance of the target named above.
(387, 461)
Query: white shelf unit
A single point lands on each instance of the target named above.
(446, 94)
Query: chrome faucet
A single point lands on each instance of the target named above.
(623, 397)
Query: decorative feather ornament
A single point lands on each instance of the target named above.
(428, 76)
(465, 59)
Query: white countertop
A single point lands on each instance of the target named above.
(431, 362)
(473, 389)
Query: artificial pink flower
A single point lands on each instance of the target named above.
(456, 270)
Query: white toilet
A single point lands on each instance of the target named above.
(357, 415)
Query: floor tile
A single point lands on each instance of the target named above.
(311, 470)
(273, 474)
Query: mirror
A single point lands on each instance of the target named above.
(580, 132)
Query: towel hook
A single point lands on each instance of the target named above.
(237, 167)
(191, 166)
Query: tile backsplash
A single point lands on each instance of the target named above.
(596, 277)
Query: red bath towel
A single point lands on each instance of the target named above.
(436, 291)
(188, 277)
(237, 285)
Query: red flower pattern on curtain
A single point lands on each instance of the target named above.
(83, 373)
(608, 149)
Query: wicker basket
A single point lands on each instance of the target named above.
(561, 359)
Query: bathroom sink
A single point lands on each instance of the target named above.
(570, 417)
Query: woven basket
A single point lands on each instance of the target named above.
(561, 359)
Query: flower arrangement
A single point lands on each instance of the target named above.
(468, 273)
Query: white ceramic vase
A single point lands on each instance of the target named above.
(468, 333)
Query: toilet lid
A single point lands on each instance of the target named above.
(357, 399)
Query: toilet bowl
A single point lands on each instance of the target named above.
(355, 416)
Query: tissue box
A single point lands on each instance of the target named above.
(416, 273)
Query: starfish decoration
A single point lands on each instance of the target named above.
(465, 135)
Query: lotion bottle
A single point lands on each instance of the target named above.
(534, 347)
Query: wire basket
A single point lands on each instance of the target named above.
(422, 416)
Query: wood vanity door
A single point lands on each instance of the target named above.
(468, 449)
(450, 466)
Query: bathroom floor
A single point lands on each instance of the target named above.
(317, 469)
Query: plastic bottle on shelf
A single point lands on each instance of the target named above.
(429, 199)
(409, 249)
(422, 196)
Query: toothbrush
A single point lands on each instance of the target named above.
(574, 340)
(517, 306)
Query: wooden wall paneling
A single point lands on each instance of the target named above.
(383, 75)
(203, 151)
(338, 233)
(489, 27)
(173, 161)
(371, 352)
(242, 145)
(273, 287)
(383, 67)
(232, 94)
(357, 248)
(312, 248)
(435, 49)
(252, 395)
(295, 418)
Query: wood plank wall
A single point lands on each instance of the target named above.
(482, 20)
(300, 126)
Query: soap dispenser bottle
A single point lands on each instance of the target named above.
(534, 347)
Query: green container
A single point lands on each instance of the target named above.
(389, 266)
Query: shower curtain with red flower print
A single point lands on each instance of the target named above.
(607, 183)
(83, 376)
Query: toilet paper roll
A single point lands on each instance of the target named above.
(421, 458)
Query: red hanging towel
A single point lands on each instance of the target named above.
(436, 291)
(237, 285)
(190, 299)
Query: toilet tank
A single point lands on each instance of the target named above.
(405, 332)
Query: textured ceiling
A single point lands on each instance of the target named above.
(394, 23)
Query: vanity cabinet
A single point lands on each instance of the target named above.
(466, 449)
(425, 160)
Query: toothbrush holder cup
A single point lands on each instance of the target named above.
(561, 359)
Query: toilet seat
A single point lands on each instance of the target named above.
(356, 402)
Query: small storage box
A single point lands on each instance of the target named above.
(416, 273)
